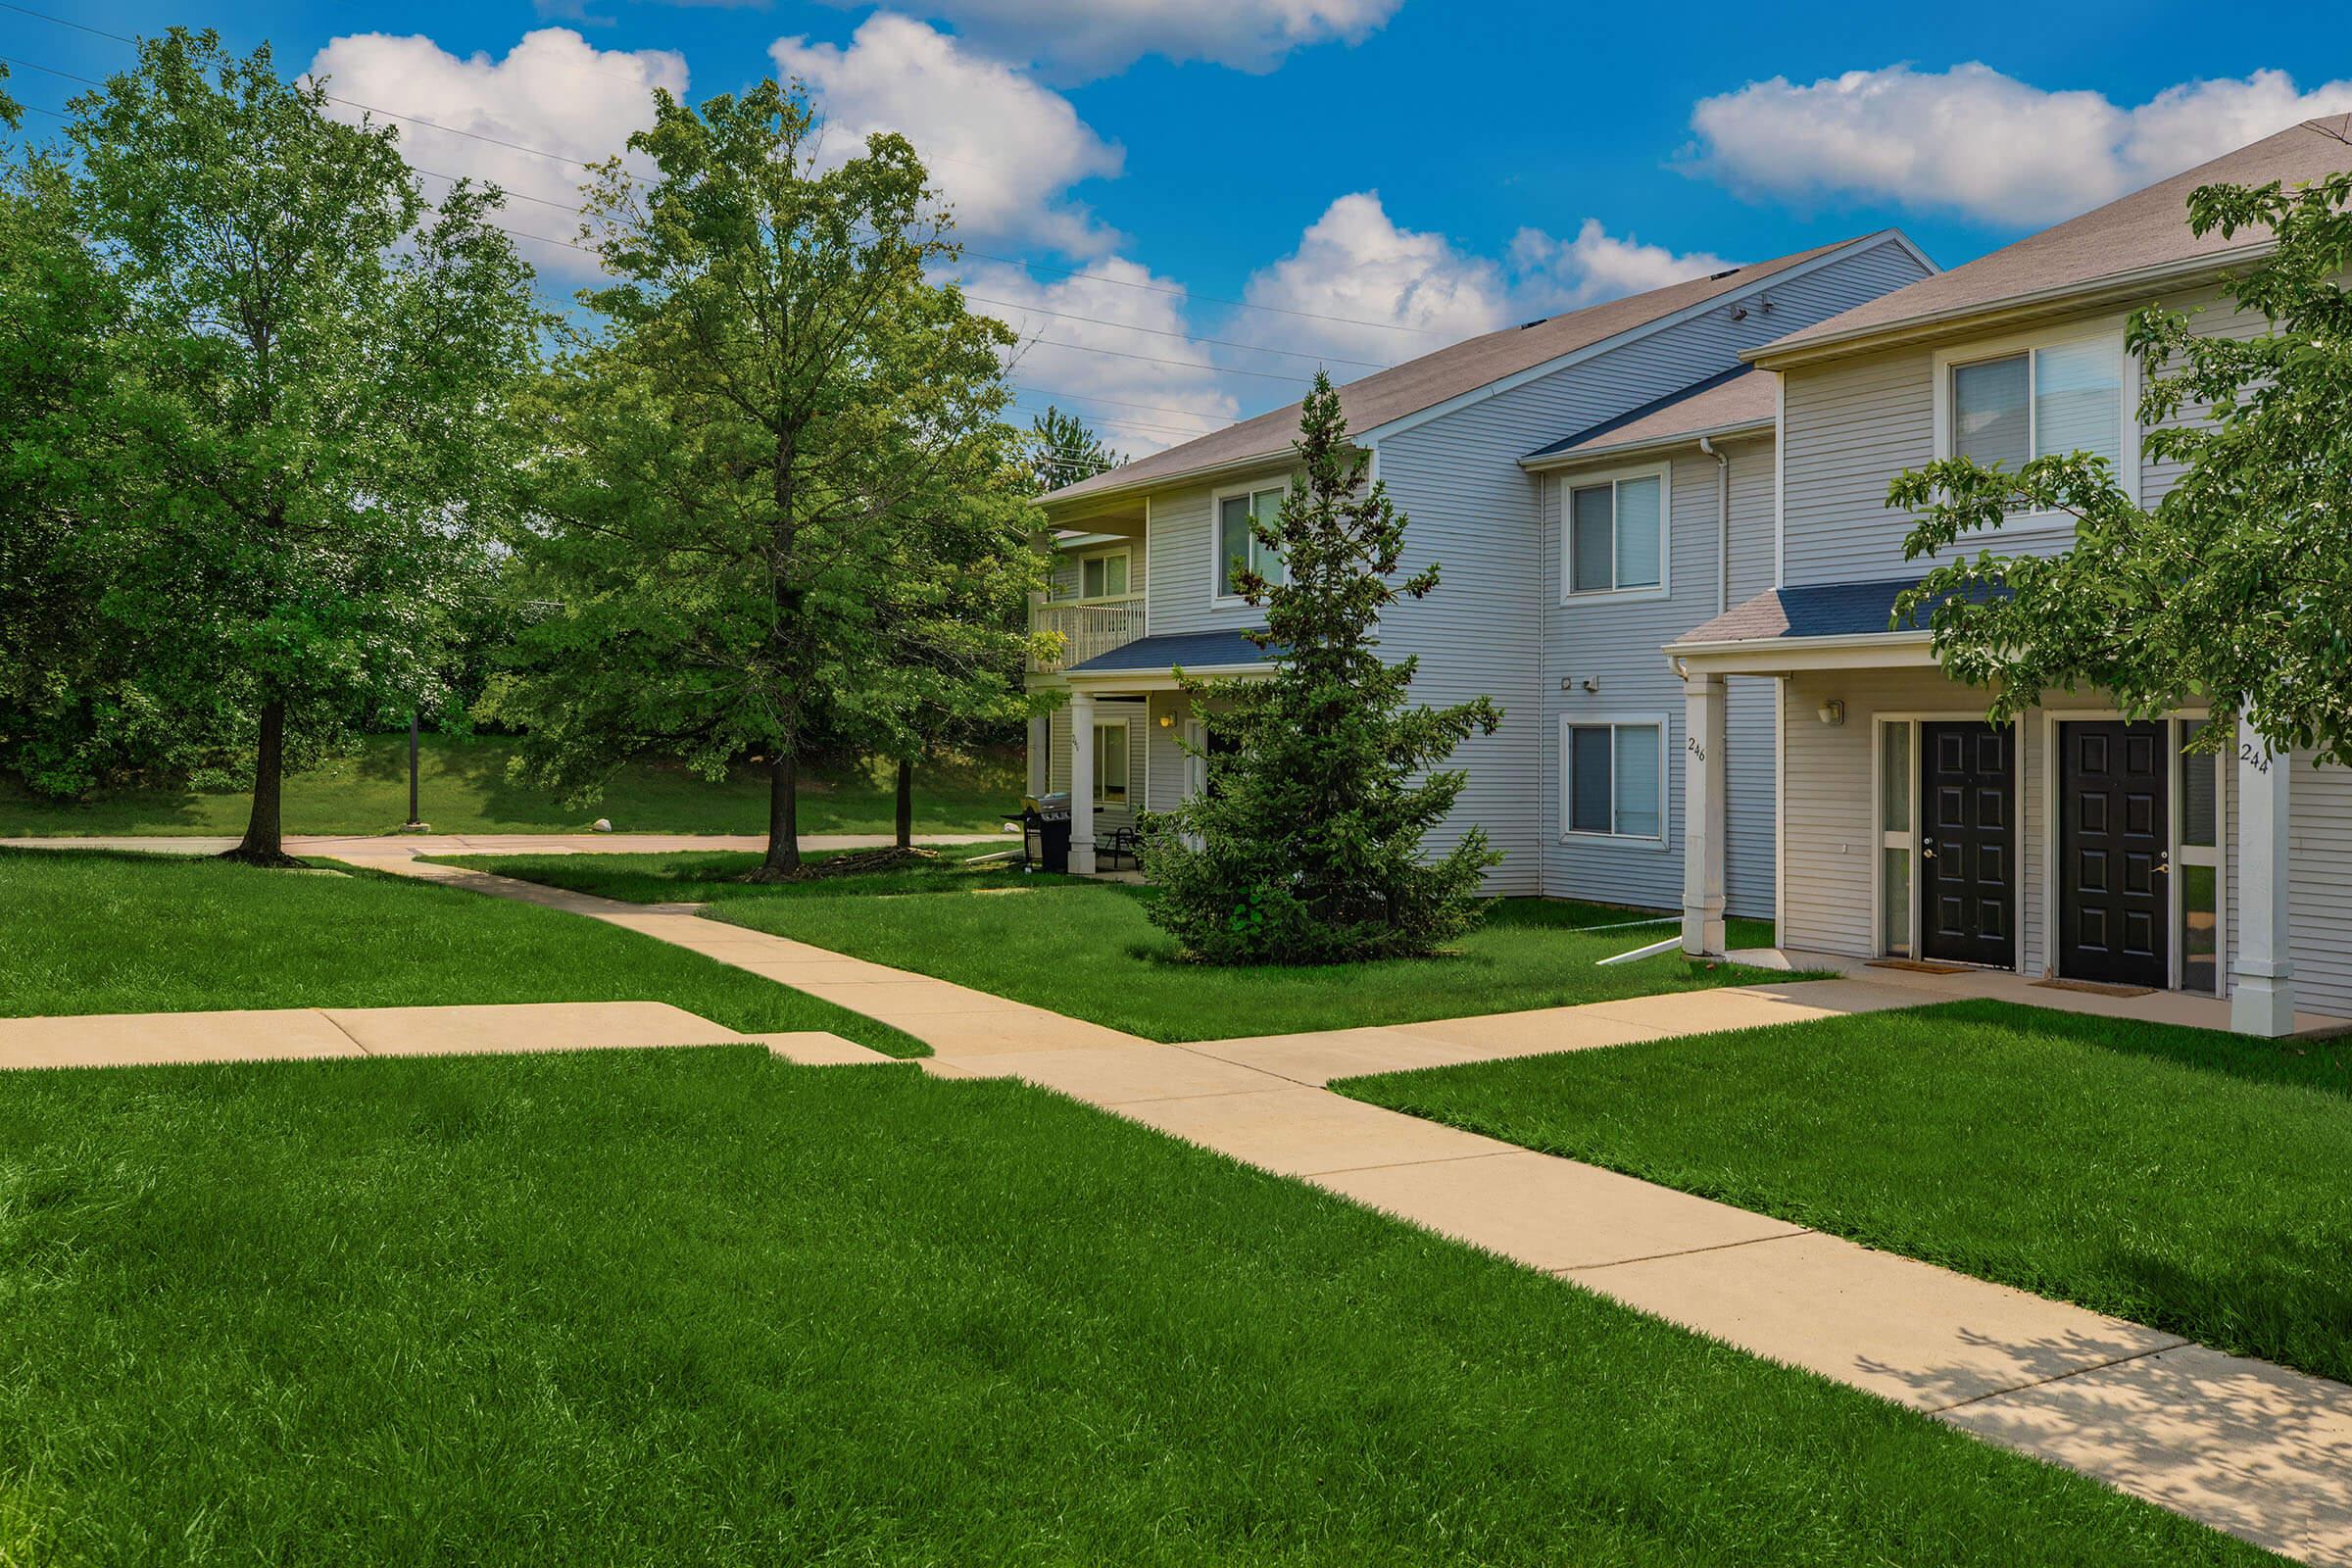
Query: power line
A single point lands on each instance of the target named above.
(1188, 365)
(1089, 397)
(1190, 337)
(1081, 348)
(1205, 299)
(1008, 261)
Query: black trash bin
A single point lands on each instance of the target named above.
(1046, 831)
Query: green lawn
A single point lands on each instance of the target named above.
(1085, 949)
(464, 788)
(2183, 1178)
(697, 1306)
(84, 931)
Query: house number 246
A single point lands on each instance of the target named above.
(1697, 750)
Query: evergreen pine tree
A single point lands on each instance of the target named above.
(1305, 848)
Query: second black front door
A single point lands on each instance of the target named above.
(1968, 853)
(2114, 853)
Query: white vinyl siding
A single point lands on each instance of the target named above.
(1496, 627)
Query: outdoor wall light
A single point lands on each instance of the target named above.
(1832, 711)
(1167, 721)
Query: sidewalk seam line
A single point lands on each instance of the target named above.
(1686, 1252)
(2058, 1377)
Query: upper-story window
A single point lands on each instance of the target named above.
(2039, 395)
(1236, 546)
(1615, 534)
(1104, 576)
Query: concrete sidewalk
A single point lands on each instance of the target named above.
(302, 1034)
(2251, 1449)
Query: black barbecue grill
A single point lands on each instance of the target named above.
(1046, 831)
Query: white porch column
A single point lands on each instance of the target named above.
(1041, 753)
(1702, 814)
(2261, 999)
(1082, 784)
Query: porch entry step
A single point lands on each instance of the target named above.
(2096, 988)
(1917, 966)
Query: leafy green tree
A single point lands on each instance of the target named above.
(1305, 848)
(1064, 449)
(743, 502)
(306, 411)
(2234, 588)
(954, 633)
(69, 711)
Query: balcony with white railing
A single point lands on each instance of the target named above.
(1087, 628)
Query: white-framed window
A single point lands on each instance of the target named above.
(2010, 400)
(1613, 533)
(1235, 544)
(1114, 752)
(1613, 778)
(1104, 575)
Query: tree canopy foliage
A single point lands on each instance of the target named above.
(261, 451)
(1064, 449)
(778, 504)
(1306, 846)
(2234, 587)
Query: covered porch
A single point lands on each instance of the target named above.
(1117, 744)
(2069, 847)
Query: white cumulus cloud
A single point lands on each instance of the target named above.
(1596, 266)
(1116, 346)
(1355, 264)
(1079, 39)
(1975, 141)
(553, 92)
(1003, 149)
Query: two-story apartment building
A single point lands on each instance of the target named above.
(1575, 480)
(2070, 845)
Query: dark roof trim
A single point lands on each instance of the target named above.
(1631, 415)
(1822, 609)
(1190, 649)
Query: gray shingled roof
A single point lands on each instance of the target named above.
(1741, 398)
(1193, 650)
(1817, 609)
(2146, 232)
(1374, 400)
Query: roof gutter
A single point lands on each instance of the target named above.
(2105, 290)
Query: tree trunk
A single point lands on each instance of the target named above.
(905, 817)
(264, 833)
(783, 860)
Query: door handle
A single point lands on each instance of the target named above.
(1927, 848)
(2163, 862)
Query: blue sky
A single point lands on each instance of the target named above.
(1419, 171)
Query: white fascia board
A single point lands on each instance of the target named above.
(1768, 655)
(2085, 295)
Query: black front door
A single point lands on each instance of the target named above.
(1967, 855)
(2115, 856)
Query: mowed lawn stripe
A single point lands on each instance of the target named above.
(1088, 949)
(89, 932)
(2186, 1179)
(701, 1307)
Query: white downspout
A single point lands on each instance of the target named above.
(1723, 525)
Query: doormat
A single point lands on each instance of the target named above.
(1919, 966)
(2097, 988)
